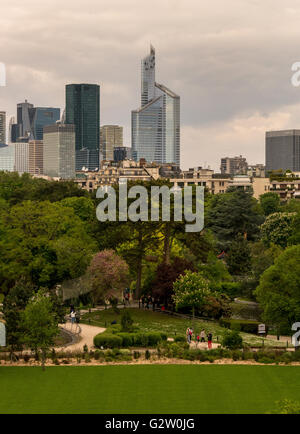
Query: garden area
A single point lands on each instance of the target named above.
(174, 327)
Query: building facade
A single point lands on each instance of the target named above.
(234, 166)
(111, 136)
(7, 158)
(83, 111)
(36, 157)
(122, 153)
(3, 127)
(59, 151)
(21, 157)
(31, 121)
(283, 150)
(155, 126)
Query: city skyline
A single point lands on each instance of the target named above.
(231, 67)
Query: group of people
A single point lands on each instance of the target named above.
(199, 337)
(147, 301)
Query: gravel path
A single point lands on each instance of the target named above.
(86, 337)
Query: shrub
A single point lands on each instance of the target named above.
(107, 341)
(127, 339)
(26, 358)
(240, 325)
(232, 340)
(126, 321)
(136, 355)
(180, 339)
(154, 338)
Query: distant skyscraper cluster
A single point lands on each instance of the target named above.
(156, 124)
(42, 142)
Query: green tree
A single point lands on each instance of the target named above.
(279, 290)
(278, 228)
(40, 325)
(13, 306)
(233, 214)
(270, 203)
(45, 242)
(238, 258)
(262, 257)
(191, 290)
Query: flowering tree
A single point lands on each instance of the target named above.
(109, 275)
(191, 290)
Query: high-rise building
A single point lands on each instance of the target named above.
(234, 166)
(21, 157)
(155, 126)
(283, 150)
(122, 153)
(41, 117)
(23, 119)
(83, 111)
(36, 157)
(59, 151)
(111, 136)
(31, 121)
(2, 127)
(7, 158)
(12, 130)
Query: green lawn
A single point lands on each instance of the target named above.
(147, 389)
(149, 321)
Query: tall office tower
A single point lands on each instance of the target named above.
(31, 121)
(111, 136)
(59, 151)
(122, 153)
(7, 158)
(155, 126)
(21, 157)
(23, 119)
(283, 150)
(83, 111)
(3, 127)
(41, 117)
(234, 165)
(12, 130)
(36, 157)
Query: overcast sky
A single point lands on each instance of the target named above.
(229, 60)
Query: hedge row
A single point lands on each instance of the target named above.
(240, 325)
(119, 340)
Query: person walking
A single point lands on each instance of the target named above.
(191, 334)
(188, 335)
(73, 317)
(209, 340)
(197, 340)
(202, 335)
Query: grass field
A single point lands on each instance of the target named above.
(147, 389)
(149, 321)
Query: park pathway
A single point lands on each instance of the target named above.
(85, 337)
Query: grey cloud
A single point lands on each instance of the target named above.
(227, 60)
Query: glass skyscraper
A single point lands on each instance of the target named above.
(83, 111)
(31, 122)
(155, 126)
(42, 117)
